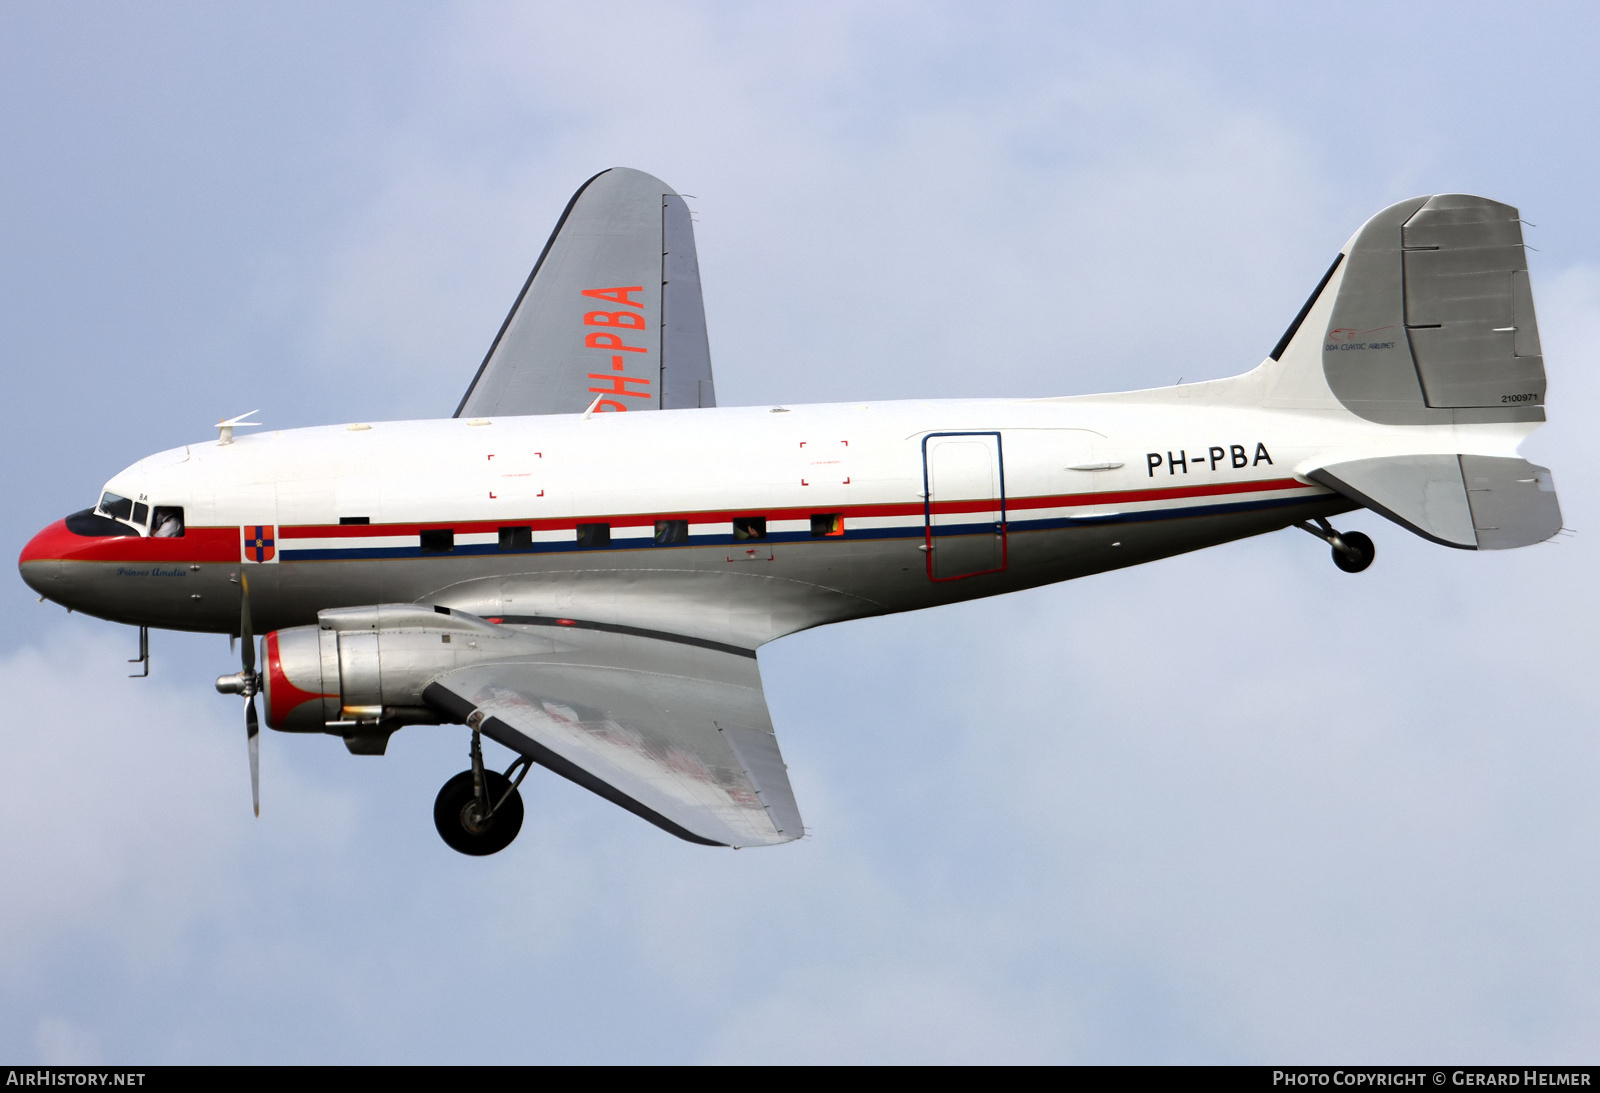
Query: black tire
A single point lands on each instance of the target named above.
(1357, 554)
(452, 818)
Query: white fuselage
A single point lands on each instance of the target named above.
(1080, 485)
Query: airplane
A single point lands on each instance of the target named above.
(587, 584)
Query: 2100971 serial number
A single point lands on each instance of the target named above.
(1529, 397)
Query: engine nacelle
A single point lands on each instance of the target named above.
(366, 667)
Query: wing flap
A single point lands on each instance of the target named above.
(676, 733)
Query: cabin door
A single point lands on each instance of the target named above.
(964, 483)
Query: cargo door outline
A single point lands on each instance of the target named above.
(996, 503)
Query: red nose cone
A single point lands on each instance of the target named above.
(108, 541)
(50, 545)
(40, 562)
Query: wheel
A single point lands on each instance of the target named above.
(455, 812)
(1357, 554)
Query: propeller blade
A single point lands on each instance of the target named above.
(253, 730)
(246, 634)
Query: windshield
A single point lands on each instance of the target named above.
(168, 519)
(119, 508)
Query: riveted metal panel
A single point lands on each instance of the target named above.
(1433, 322)
(1463, 259)
(547, 356)
(1513, 502)
(685, 349)
(328, 649)
(1422, 493)
(360, 679)
(1526, 343)
(1366, 356)
(677, 733)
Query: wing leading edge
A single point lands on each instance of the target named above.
(612, 309)
(675, 732)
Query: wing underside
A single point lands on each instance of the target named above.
(673, 731)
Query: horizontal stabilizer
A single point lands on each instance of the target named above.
(1474, 502)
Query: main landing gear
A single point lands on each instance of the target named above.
(479, 811)
(1352, 551)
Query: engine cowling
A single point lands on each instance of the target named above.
(367, 666)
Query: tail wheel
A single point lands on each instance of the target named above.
(458, 815)
(1357, 554)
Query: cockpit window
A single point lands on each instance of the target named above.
(168, 522)
(119, 508)
(164, 521)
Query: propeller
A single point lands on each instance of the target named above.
(248, 684)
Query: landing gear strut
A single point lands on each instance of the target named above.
(479, 811)
(1352, 551)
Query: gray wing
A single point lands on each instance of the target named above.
(612, 309)
(673, 731)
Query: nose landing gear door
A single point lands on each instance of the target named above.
(964, 484)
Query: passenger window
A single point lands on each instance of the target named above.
(355, 520)
(672, 531)
(168, 522)
(120, 508)
(594, 535)
(825, 524)
(517, 538)
(438, 540)
(749, 527)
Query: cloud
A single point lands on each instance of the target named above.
(876, 1015)
(1227, 807)
(59, 1042)
(1075, 224)
(106, 781)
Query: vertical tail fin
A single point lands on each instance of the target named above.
(1426, 318)
(612, 307)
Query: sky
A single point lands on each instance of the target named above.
(1355, 822)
